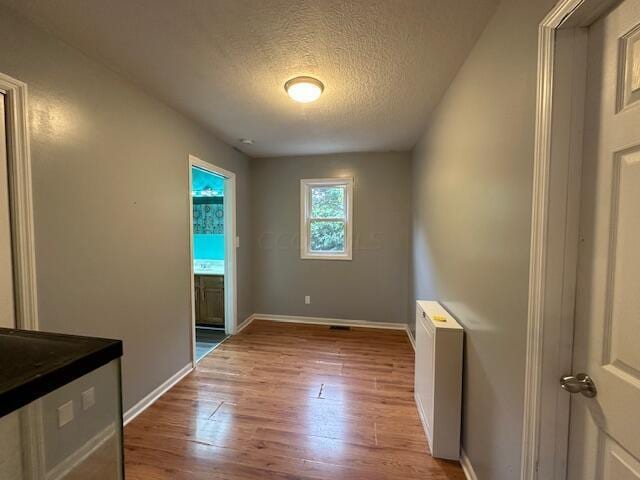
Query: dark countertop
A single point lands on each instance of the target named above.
(33, 364)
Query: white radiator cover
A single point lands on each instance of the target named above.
(438, 382)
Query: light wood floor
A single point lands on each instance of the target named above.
(288, 401)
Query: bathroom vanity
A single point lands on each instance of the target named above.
(60, 407)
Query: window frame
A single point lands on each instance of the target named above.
(306, 186)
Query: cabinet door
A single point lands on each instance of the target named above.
(197, 295)
(425, 339)
(213, 300)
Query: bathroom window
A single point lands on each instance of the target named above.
(326, 207)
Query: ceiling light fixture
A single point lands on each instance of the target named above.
(246, 141)
(304, 89)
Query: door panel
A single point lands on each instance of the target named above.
(629, 85)
(7, 315)
(623, 305)
(424, 369)
(605, 430)
(619, 465)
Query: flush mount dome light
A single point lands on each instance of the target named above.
(304, 89)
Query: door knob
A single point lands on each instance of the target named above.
(580, 383)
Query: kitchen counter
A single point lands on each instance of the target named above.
(208, 267)
(33, 364)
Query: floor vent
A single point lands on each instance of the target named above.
(339, 327)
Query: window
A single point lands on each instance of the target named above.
(325, 222)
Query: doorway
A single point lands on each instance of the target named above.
(213, 255)
(18, 297)
(7, 309)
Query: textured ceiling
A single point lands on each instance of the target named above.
(385, 63)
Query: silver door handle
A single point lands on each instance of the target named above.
(580, 383)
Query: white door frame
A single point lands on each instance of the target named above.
(230, 242)
(21, 203)
(561, 79)
(23, 249)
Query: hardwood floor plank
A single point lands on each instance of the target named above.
(290, 401)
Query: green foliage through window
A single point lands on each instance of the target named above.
(327, 219)
(327, 236)
(327, 202)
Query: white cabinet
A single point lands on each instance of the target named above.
(438, 382)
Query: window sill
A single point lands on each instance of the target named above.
(325, 256)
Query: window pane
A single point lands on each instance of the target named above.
(327, 202)
(327, 236)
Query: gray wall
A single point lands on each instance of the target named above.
(472, 175)
(10, 446)
(87, 425)
(374, 285)
(111, 191)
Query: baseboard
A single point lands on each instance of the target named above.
(245, 323)
(326, 321)
(61, 470)
(411, 339)
(466, 466)
(329, 321)
(148, 400)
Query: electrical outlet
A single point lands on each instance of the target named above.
(88, 398)
(65, 413)
(307, 300)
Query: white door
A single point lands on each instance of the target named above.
(605, 430)
(7, 315)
